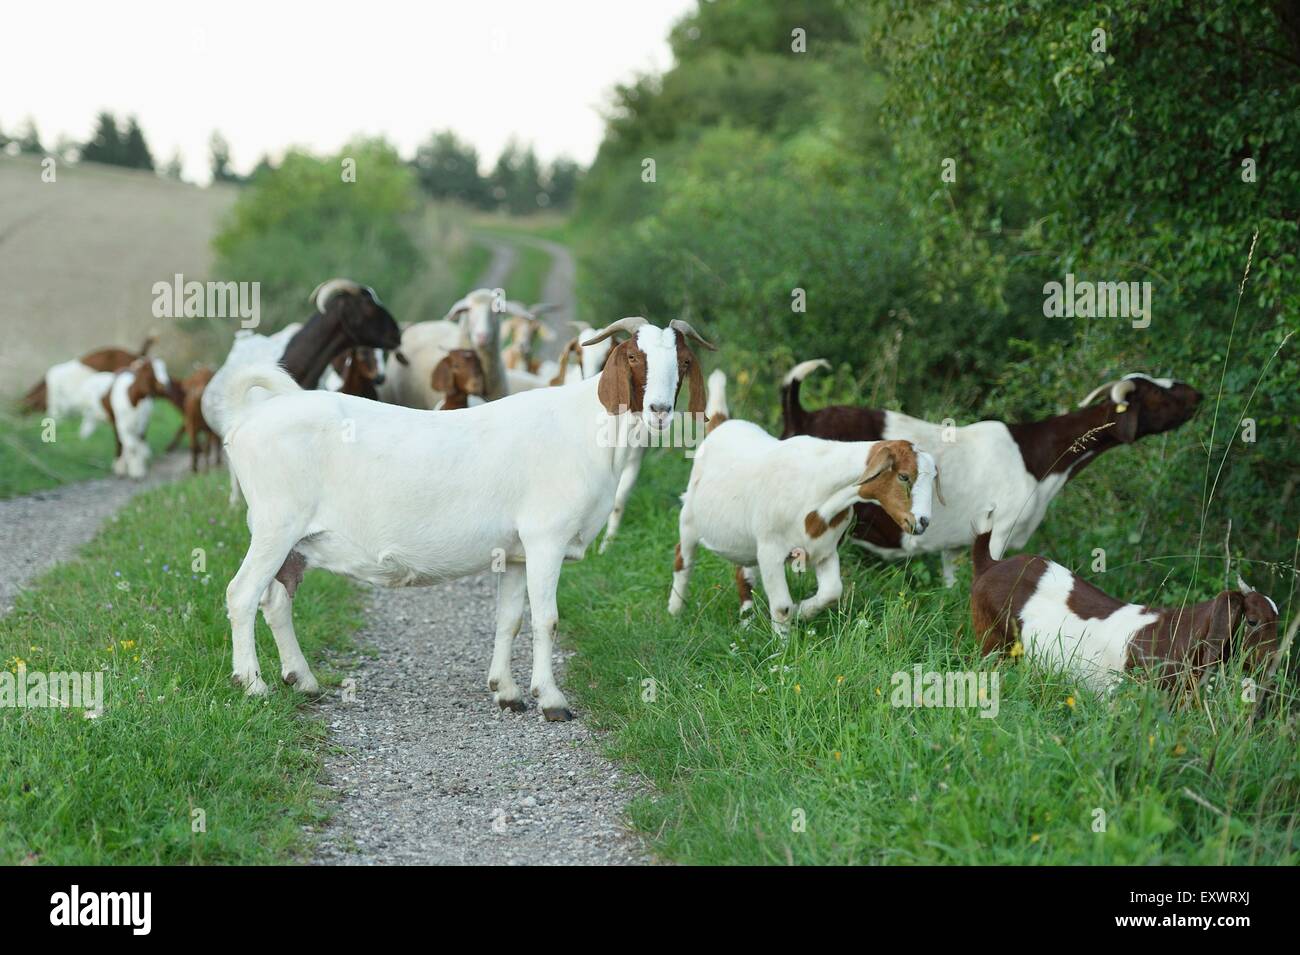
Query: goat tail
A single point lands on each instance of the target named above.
(715, 406)
(271, 378)
(983, 527)
(791, 410)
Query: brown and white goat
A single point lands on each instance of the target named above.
(1067, 623)
(1019, 468)
(459, 377)
(128, 405)
(58, 392)
(757, 502)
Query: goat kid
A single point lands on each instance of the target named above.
(757, 502)
(1066, 623)
(459, 377)
(524, 484)
(1019, 468)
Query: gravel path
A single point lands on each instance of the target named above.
(499, 267)
(429, 771)
(426, 768)
(42, 529)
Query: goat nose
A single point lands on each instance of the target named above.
(922, 523)
(661, 409)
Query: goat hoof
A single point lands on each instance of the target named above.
(253, 685)
(557, 714)
(515, 704)
(303, 684)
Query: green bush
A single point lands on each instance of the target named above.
(301, 223)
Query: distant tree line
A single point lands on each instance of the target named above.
(445, 166)
(519, 183)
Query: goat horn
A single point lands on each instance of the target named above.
(463, 303)
(629, 325)
(1123, 388)
(1244, 587)
(685, 328)
(1092, 395)
(327, 290)
(517, 308)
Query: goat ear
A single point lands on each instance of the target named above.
(880, 460)
(615, 388)
(695, 379)
(442, 376)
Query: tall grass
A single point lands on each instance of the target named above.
(771, 751)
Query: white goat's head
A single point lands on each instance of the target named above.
(644, 373)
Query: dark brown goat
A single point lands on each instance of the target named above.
(347, 316)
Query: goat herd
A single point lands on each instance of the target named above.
(369, 476)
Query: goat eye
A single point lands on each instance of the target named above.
(904, 478)
(1252, 622)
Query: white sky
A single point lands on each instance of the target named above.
(273, 74)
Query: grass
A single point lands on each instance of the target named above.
(175, 737)
(771, 752)
(28, 463)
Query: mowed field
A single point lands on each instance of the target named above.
(79, 257)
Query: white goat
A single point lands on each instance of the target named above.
(523, 483)
(758, 501)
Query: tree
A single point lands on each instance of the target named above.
(447, 168)
(135, 151)
(219, 150)
(562, 182)
(29, 141)
(516, 180)
(105, 144)
(175, 167)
